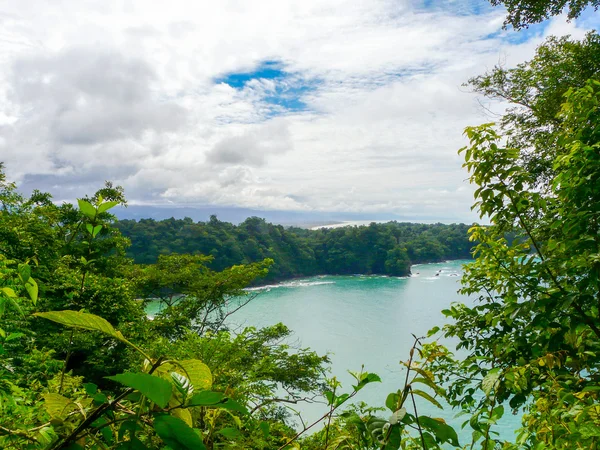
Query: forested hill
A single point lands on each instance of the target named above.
(387, 248)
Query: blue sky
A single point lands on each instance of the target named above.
(312, 105)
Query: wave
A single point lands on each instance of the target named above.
(289, 284)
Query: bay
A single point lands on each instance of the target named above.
(365, 321)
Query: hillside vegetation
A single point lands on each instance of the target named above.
(387, 249)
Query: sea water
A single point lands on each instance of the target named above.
(366, 321)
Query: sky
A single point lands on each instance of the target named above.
(296, 105)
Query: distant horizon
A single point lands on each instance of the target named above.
(304, 219)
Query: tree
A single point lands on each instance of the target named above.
(535, 92)
(522, 13)
(533, 334)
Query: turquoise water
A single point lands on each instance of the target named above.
(364, 320)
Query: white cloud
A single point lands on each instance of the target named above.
(126, 90)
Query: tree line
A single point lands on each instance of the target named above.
(379, 248)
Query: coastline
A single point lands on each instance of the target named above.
(261, 284)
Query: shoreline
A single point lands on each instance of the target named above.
(275, 282)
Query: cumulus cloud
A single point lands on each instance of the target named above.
(363, 109)
(253, 147)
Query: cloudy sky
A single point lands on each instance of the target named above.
(305, 105)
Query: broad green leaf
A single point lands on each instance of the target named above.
(198, 373)
(106, 206)
(265, 427)
(193, 369)
(367, 378)
(24, 272)
(87, 209)
(155, 388)
(440, 429)
(184, 415)
(392, 401)
(96, 230)
(32, 289)
(394, 438)
(90, 388)
(490, 380)
(177, 434)
(89, 227)
(428, 382)
(13, 336)
(58, 406)
(230, 433)
(232, 405)
(433, 331)
(85, 321)
(46, 435)
(206, 398)
(427, 397)
(8, 292)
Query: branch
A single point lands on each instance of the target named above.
(100, 410)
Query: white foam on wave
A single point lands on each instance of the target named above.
(290, 284)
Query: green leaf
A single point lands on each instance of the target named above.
(8, 292)
(392, 401)
(86, 321)
(429, 383)
(433, 331)
(96, 230)
(106, 206)
(87, 209)
(230, 433)
(490, 380)
(24, 272)
(90, 388)
(177, 434)
(427, 397)
(13, 336)
(198, 373)
(265, 427)
(58, 406)
(183, 414)
(394, 438)
(440, 429)
(155, 388)
(193, 369)
(367, 378)
(32, 289)
(206, 398)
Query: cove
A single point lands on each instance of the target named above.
(365, 320)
